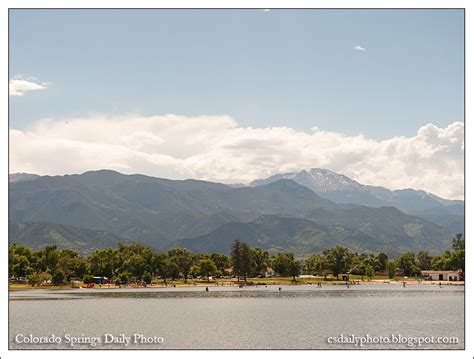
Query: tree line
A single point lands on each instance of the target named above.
(136, 262)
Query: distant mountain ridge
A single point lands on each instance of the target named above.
(161, 212)
(20, 177)
(342, 189)
(336, 187)
(152, 210)
(326, 181)
(275, 233)
(302, 236)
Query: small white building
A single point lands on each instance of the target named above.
(444, 275)
(268, 272)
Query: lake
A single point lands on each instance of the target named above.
(298, 317)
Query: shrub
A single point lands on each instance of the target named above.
(147, 277)
(33, 279)
(123, 277)
(58, 277)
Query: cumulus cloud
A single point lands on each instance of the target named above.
(359, 48)
(216, 148)
(19, 85)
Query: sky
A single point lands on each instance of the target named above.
(236, 95)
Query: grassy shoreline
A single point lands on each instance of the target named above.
(234, 283)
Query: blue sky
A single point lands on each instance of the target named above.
(236, 95)
(295, 68)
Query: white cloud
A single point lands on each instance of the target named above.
(359, 48)
(216, 148)
(19, 85)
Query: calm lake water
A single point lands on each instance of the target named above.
(298, 317)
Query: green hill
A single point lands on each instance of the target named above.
(159, 212)
(37, 235)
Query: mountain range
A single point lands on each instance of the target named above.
(284, 212)
(20, 177)
(344, 190)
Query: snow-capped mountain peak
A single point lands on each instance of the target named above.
(322, 180)
(317, 179)
(342, 189)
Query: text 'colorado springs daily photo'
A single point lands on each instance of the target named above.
(236, 179)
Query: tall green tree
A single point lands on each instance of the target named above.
(407, 262)
(159, 264)
(281, 264)
(236, 255)
(382, 259)
(19, 266)
(260, 260)
(442, 262)
(206, 268)
(21, 261)
(221, 261)
(391, 269)
(71, 264)
(423, 260)
(183, 259)
(295, 268)
(285, 264)
(136, 265)
(458, 242)
(48, 259)
(241, 259)
(369, 271)
(458, 257)
(339, 259)
(102, 262)
(457, 261)
(316, 265)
